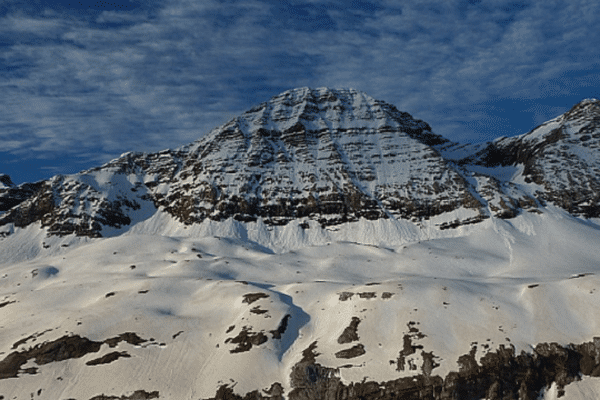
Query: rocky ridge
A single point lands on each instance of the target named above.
(498, 375)
(558, 160)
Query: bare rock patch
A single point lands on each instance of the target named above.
(108, 358)
(137, 395)
(252, 297)
(353, 352)
(246, 339)
(350, 333)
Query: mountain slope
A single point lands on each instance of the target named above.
(199, 317)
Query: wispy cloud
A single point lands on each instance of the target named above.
(86, 80)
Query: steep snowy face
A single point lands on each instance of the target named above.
(331, 156)
(559, 160)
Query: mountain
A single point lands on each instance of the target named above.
(321, 155)
(326, 156)
(558, 160)
(322, 244)
(329, 156)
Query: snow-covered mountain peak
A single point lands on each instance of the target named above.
(311, 157)
(585, 109)
(316, 109)
(305, 153)
(325, 109)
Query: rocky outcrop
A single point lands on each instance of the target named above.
(65, 206)
(246, 339)
(63, 348)
(499, 375)
(108, 358)
(137, 395)
(275, 392)
(350, 333)
(5, 181)
(250, 298)
(12, 196)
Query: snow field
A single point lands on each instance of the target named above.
(520, 282)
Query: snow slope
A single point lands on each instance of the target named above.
(518, 283)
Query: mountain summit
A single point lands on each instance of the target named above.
(331, 156)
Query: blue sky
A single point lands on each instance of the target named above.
(83, 81)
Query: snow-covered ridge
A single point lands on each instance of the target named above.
(328, 156)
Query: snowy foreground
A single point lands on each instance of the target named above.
(178, 312)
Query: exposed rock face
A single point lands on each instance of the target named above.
(353, 352)
(252, 297)
(498, 375)
(65, 206)
(277, 333)
(108, 358)
(137, 395)
(350, 333)
(226, 393)
(246, 339)
(64, 348)
(408, 349)
(11, 196)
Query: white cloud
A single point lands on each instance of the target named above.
(23, 24)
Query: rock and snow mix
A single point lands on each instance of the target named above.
(321, 245)
(5, 181)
